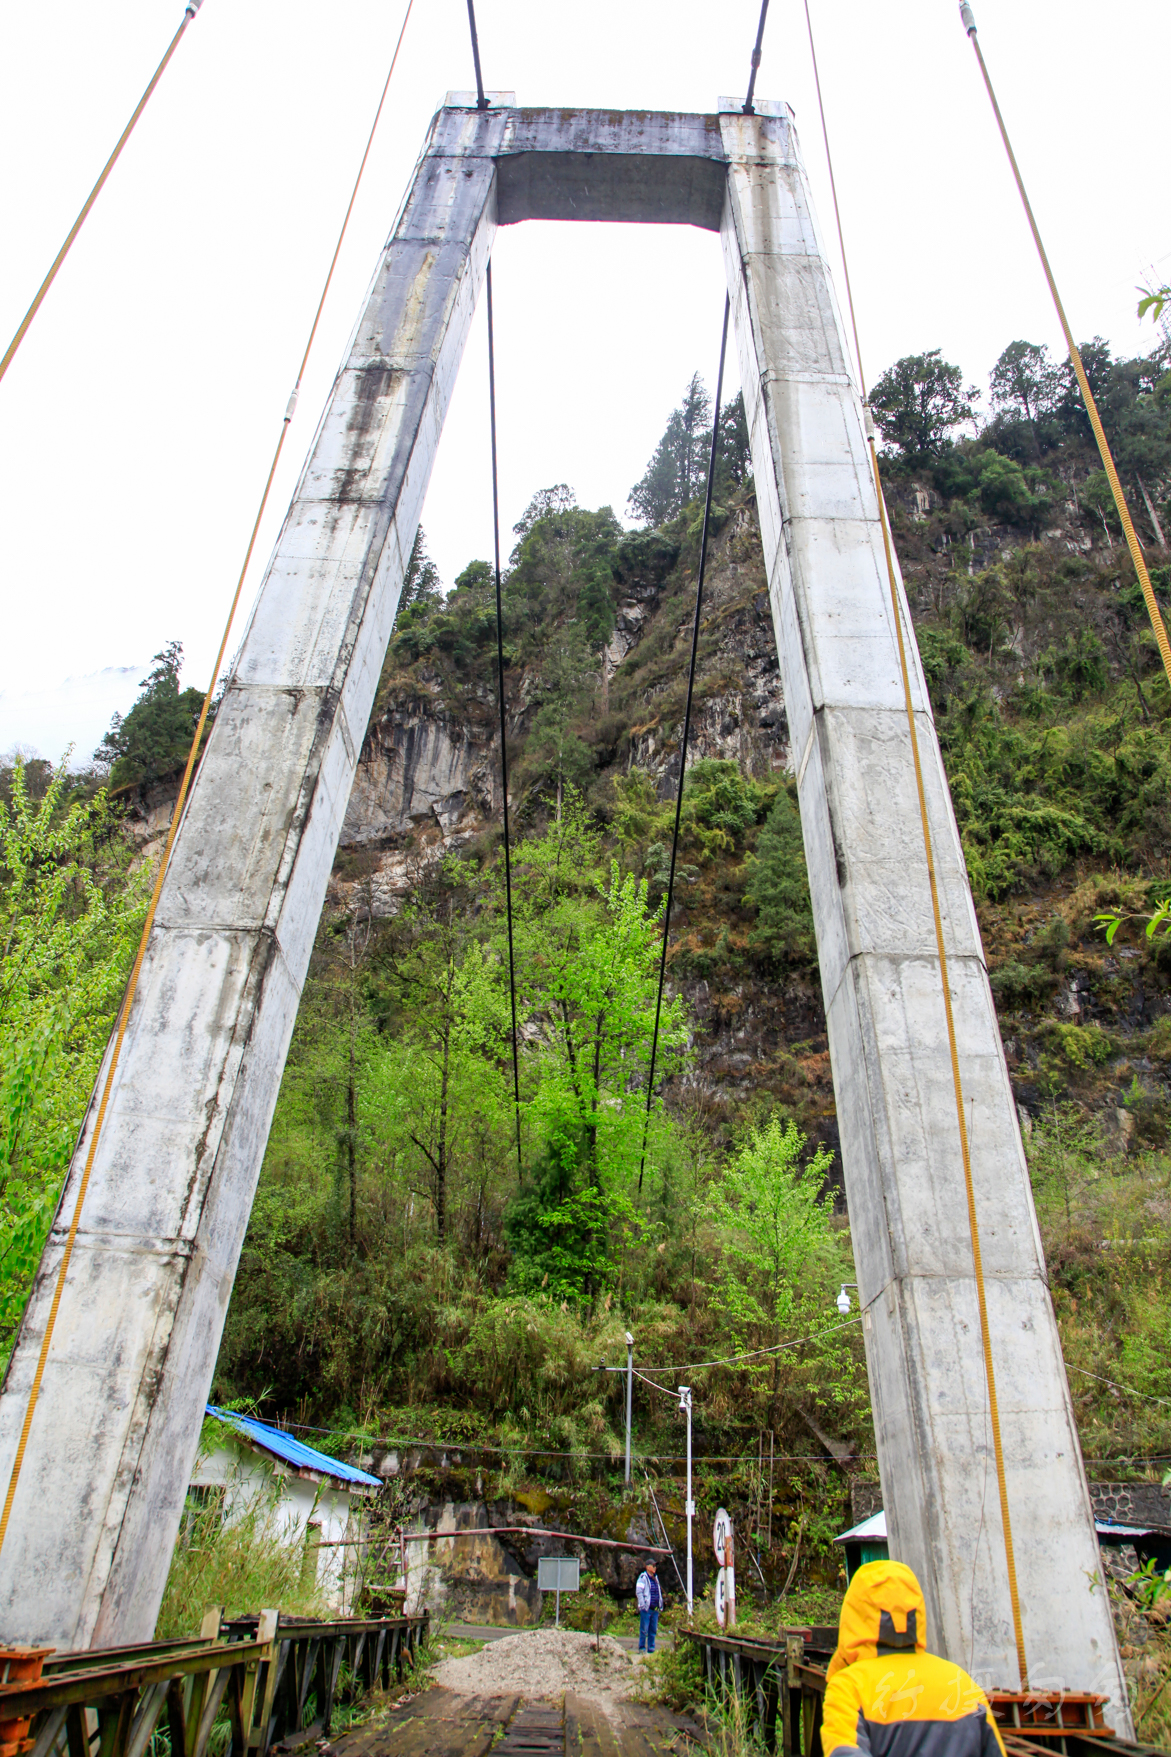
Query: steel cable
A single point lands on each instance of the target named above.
(192, 8)
(132, 985)
(755, 60)
(482, 104)
(707, 513)
(481, 100)
(1107, 456)
(503, 711)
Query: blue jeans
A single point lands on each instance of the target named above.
(648, 1628)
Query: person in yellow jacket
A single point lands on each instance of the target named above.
(887, 1696)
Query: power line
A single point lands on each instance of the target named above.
(1114, 1386)
(707, 513)
(295, 1427)
(753, 1353)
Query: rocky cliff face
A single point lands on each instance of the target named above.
(421, 774)
(428, 777)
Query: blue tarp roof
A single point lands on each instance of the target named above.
(283, 1445)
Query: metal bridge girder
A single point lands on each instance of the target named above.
(103, 1484)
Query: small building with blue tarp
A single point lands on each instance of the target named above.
(298, 1496)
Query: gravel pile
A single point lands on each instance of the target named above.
(544, 1663)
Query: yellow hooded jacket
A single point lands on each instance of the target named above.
(887, 1696)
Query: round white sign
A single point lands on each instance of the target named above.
(721, 1596)
(721, 1531)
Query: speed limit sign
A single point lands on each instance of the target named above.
(721, 1534)
(722, 1597)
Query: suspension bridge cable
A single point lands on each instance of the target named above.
(1107, 456)
(748, 109)
(192, 8)
(941, 948)
(837, 211)
(503, 710)
(152, 907)
(707, 514)
(707, 507)
(481, 100)
(482, 104)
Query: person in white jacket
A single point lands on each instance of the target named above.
(649, 1594)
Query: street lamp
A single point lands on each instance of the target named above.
(629, 1397)
(685, 1405)
(843, 1300)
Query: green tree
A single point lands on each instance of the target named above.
(734, 449)
(1008, 493)
(546, 503)
(588, 955)
(773, 1217)
(450, 996)
(677, 471)
(154, 739)
(1024, 381)
(70, 916)
(919, 400)
(421, 584)
(719, 804)
(554, 751)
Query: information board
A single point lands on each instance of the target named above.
(559, 1574)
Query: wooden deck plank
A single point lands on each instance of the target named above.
(588, 1732)
(435, 1723)
(442, 1723)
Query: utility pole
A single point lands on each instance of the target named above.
(629, 1397)
(685, 1406)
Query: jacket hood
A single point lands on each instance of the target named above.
(875, 1612)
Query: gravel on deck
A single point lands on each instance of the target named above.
(544, 1663)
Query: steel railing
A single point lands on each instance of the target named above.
(257, 1673)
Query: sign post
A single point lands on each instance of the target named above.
(724, 1544)
(685, 1405)
(559, 1574)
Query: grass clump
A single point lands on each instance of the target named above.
(246, 1566)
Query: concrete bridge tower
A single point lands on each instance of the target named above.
(115, 1432)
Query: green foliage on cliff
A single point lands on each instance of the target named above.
(395, 1247)
(70, 915)
(778, 889)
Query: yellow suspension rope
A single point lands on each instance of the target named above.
(132, 985)
(192, 8)
(1132, 542)
(957, 1083)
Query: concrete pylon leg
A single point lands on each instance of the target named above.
(135, 1344)
(884, 1003)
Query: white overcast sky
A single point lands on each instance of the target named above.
(137, 422)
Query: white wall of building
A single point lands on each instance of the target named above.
(255, 1484)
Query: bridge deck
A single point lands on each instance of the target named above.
(443, 1723)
